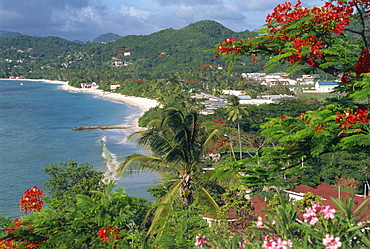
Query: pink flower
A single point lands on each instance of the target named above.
(328, 213)
(316, 207)
(311, 216)
(276, 243)
(241, 245)
(200, 241)
(331, 243)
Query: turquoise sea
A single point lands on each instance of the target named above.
(36, 121)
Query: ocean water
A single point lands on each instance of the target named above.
(36, 121)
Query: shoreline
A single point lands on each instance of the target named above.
(143, 104)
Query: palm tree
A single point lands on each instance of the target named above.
(177, 143)
(235, 113)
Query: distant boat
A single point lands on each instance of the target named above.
(21, 84)
(104, 139)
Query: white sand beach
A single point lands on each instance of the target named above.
(143, 103)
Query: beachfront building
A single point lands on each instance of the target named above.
(114, 87)
(92, 86)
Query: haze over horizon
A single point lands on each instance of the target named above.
(85, 20)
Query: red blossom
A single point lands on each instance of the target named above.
(31, 200)
(348, 119)
(15, 226)
(363, 63)
(316, 27)
(318, 128)
(219, 121)
(106, 234)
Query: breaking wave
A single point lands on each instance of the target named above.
(112, 164)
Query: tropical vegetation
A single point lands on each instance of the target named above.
(207, 177)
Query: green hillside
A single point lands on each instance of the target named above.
(169, 49)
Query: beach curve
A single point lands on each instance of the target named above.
(144, 104)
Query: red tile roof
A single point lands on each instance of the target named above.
(326, 191)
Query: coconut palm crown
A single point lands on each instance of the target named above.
(177, 143)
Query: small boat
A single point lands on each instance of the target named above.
(21, 84)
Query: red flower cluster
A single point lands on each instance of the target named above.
(348, 119)
(318, 128)
(229, 46)
(16, 226)
(109, 233)
(219, 121)
(327, 19)
(363, 63)
(16, 244)
(31, 200)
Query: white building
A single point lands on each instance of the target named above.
(325, 87)
(92, 86)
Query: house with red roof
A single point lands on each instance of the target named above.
(326, 191)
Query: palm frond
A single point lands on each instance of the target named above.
(209, 138)
(136, 163)
(163, 208)
(209, 205)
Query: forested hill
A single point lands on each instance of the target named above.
(173, 49)
(168, 49)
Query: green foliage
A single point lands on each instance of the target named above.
(308, 199)
(76, 82)
(179, 229)
(5, 222)
(77, 225)
(67, 180)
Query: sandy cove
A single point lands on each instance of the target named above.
(143, 103)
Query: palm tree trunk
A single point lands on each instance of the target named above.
(240, 143)
(186, 192)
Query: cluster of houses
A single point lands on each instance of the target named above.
(282, 78)
(211, 103)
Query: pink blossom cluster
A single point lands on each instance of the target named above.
(331, 243)
(276, 243)
(313, 212)
(200, 240)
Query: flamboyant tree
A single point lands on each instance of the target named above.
(333, 38)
